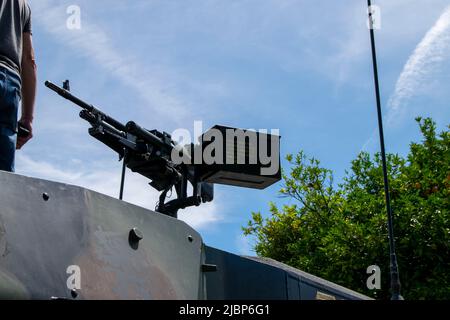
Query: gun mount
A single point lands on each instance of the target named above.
(149, 153)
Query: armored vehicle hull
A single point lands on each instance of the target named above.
(65, 242)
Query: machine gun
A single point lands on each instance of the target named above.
(149, 153)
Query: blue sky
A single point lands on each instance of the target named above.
(303, 67)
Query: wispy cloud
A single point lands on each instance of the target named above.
(95, 44)
(244, 245)
(430, 53)
(204, 216)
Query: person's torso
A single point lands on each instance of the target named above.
(15, 19)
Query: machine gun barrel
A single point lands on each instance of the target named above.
(135, 129)
(67, 95)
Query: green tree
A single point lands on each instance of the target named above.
(336, 232)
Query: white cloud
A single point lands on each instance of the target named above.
(337, 45)
(41, 169)
(432, 51)
(202, 217)
(244, 246)
(428, 56)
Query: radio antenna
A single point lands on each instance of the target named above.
(395, 279)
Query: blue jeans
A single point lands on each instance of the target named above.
(10, 86)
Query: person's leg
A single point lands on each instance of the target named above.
(9, 104)
(7, 149)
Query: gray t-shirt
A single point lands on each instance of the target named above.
(15, 19)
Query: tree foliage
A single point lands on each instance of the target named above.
(337, 231)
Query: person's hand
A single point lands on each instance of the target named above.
(22, 140)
